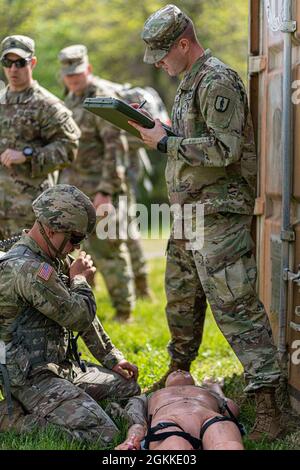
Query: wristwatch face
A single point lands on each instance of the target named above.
(27, 151)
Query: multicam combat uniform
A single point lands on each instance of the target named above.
(212, 162)
(39, 306)
(35, 118)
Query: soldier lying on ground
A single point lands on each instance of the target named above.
(183, 416)
(42, 300)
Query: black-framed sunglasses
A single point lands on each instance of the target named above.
(19, 63)
(77, 238)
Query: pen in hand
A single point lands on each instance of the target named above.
(142, 104)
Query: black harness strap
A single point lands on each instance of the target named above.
(153, 437)
(218, 419)
(73, 351)
(235, 420)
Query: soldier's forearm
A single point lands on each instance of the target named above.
(100, 345)
(205, 151)
(51, 157)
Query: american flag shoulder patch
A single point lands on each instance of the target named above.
(45, 271)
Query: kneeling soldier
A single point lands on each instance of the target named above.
(44, 297)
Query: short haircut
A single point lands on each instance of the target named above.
(189, 33)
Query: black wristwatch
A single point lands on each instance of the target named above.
(162, 145)
(27, 152)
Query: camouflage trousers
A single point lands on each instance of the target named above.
(122, 264)
(112, 259)
(69, 405)
(222, 272)
(137, 257)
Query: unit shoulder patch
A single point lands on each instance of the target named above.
(221, 103)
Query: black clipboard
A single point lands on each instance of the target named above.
(118, 113)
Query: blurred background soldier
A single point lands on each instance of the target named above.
(37, 136)
(138, 168)
(122, 263)
(44, 296)
(100, 173)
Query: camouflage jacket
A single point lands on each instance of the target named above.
(213, 160)
(101, 161)
(38, 119)
(38, 306)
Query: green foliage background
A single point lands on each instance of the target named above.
(111, 31)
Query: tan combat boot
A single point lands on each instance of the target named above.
(142, 289)
(172, 367)
(18, 422)
(267, 423)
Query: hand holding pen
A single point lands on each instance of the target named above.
(142, 104)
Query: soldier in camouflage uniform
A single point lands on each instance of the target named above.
(43, 297)
(99, 171)
(212, 162)
(137, 158)
(37, 136)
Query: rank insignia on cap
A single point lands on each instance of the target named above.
(221, 103)
(45, 271)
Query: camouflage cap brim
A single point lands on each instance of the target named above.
(74, 69)
(152, 56)
(17, 51)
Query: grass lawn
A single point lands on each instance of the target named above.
(144, 343)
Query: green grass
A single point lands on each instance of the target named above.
(144, 343)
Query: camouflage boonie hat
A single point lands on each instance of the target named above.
(161, 30)
(65, 208)
(23, 46)
(73, 59)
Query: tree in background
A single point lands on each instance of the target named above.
(111, 31)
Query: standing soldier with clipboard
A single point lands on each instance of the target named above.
(212, 162)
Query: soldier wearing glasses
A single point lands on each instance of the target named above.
(37, 135)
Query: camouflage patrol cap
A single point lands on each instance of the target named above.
(23, 46)
(65, 208)
(73, 59)
(161, 30)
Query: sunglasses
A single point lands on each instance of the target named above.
(76, 238)
(19, 63)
